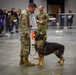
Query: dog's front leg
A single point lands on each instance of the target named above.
(38, 60)
(41, 60)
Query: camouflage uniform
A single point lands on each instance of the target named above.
(42, 28)
(25, 38)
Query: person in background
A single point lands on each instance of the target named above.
(42, 18)
(25, 35)
(59, 11)
(69, 19)
(6, 26)
(1, 21)
(4, 19)
(13, 20)
(19, 14)
(8, 22)
(18, 11)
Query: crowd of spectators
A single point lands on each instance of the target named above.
(9, 20)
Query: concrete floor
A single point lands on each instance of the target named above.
(10, 48)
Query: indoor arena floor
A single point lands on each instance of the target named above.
(10, 51)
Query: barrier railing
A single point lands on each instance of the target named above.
(63, 20)
(67, 20)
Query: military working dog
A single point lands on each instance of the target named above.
(45, 48)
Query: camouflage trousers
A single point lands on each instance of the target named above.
(25, 46)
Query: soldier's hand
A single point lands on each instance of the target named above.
(38, 21)
(41, 22)
(30, 25)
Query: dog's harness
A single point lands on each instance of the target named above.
(44, 46)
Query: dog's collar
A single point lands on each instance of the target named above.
(39, 40)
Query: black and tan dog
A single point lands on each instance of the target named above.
(45, 48)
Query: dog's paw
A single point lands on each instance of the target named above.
(40, 65)
(62, 62)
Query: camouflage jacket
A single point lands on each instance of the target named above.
(42, 16)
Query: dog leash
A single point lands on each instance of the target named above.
(33, 54)
(30, 49)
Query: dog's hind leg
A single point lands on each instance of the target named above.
(62, 61)
(59, 55)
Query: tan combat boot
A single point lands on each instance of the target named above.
(27, 63)
(21, 60)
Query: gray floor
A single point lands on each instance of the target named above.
(10, 48)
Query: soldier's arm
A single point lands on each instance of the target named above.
(37, 20)
(23, 18)
(23, 25)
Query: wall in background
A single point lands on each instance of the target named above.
(41, 2)
(70, 4)
(8, 4)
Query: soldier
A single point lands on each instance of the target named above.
(25, 35)
(42, 19)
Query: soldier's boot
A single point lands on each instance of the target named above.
(21, 60)
(62, 61)
(27, 63)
